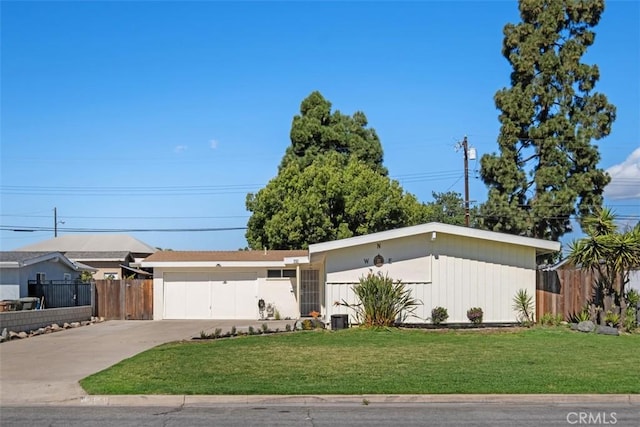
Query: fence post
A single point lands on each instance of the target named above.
(94, 311)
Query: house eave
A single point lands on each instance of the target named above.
(541, 246)
(216, 264)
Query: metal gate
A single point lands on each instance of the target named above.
(309, 292)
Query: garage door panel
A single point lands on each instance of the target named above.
(219, 295)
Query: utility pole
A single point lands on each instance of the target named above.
(465, 148)
(55, 222)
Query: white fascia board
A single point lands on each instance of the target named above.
(300, 260)
(9, 264)
(542, 245)
(213, 264)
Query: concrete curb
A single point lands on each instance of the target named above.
(348, 400)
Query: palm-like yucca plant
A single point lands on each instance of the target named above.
(381, 301)
(608, 252)
(523, 305)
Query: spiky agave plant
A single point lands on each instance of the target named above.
(381, 301)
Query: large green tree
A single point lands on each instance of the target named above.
(546, 170)
(318, 130)
(327, 200)
(448, 208)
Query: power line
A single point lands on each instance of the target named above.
(18, 228)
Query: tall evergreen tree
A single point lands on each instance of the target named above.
(331, 184)
(317, 131)
(547, 170)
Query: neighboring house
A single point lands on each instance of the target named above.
(115, 256)
(18, 268)
(443, 265)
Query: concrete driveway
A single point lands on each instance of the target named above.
(46, 368)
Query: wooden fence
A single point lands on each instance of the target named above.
(130, 299)
(564, 291)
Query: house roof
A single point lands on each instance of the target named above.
(98, 256)
(92, 243)
(17, 259)
(541, 246)
(273, 258)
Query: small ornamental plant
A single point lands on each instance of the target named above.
(474, 314)
(439, 315)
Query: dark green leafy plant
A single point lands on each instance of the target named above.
(439, 315)
(474, 314)
(381, 301)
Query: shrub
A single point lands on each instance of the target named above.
(582, 316)
(474, 314)
(549, 319)
(630, 319)
(523, 305)
(632, 297)
(307, 325)
(287, 327)
(251, 330)
(265, 328)
(382, 302)
(233, 330)
(277, 315)
(439, 315)
(612, 319)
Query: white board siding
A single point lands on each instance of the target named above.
(404, 259)
(463, 273)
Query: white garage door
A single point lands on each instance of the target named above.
(210, 296)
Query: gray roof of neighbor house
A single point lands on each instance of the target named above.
(22, 258)
(98, 256)
(92, 243)
(13, 256)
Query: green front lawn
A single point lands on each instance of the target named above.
(360, 361)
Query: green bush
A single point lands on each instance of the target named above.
(439, 315)
(382, 302)
(630, 321)
(612, 319)
(474, 314)
(548, 319)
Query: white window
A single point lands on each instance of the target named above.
(67, 277)
(111, 276)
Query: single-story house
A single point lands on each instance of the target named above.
(443, 265)
(115, 256)
(18, 268)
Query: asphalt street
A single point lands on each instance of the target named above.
(415, 414)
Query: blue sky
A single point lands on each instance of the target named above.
(163, 115)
